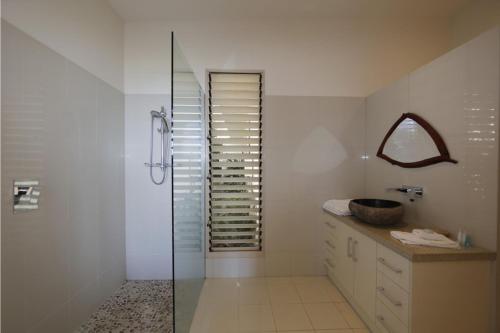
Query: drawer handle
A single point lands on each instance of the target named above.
(327, 242)
(331, 225)
(349, 253)
(354, 251)
(389, 298)
(329, 263)
(381, 320)
(392, 268)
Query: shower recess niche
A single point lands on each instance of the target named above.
(412, 142)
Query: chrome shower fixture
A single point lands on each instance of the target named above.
(163, 116)
(163, 129)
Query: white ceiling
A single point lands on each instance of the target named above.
(136, 10)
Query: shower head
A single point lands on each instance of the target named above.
(156, 114)
(161, 115)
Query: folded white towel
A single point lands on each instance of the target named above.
(429, 234)
(424, 237)
(338, 207)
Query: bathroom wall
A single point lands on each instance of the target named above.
(476, 17)
(458, 94)
(345, 58)
(88, 32)
(312, 152)
(65, 127)
(148, 206)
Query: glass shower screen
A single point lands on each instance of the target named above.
(188, 185)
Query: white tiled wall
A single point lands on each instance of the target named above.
(313, 149)
(95, 45)
(148, 206)
(65, 127)
(458, 94)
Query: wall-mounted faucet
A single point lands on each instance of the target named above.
(413, 192)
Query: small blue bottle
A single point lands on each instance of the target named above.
(467, 241)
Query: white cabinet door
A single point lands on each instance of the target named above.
(365, 274)
(345, 265)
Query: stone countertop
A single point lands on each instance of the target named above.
(413, 253)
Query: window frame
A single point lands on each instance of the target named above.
(235, 253)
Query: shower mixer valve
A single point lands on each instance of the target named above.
(157, 165)
(26, 195)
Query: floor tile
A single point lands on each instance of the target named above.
(297, 280)
(334, 294)
(221, 283)
(271, 281)
(255, 318)
(221, 291)
(325, 316)
(253, 294)
(291, 317)
(313, 293)
(350, 315)
(283, 293)
(252, 281)
(308, 304)
(215, 318)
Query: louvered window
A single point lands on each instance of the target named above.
(235, 166)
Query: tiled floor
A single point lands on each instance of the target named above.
(138, 306)
(292, 305)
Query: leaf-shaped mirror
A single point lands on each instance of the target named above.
(413, 143)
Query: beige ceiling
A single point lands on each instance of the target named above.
(136, 10)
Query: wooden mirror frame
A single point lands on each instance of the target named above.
(438, 141)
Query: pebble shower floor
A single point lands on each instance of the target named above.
(138, 306)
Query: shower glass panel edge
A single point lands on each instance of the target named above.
(188, 188)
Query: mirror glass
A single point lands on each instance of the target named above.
(410, 143)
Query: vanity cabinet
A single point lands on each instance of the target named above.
(350, 262)
(401, 289)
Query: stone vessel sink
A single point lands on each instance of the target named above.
(377, 211)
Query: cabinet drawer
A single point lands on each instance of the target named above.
(330, 246)
(394, 266)
(386, 321)
(393, 296)
(330, 254)
(331, 227)
(330, 264)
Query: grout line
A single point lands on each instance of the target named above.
(267, 288)
(302, 303)
(271, 306)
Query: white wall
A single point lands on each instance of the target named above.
(87, 32)
(340, 57)
(148, 206)
(64, 127)
(458, 94)
(312, 152)
(474, 18)
(60, 263)
(306, 58)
